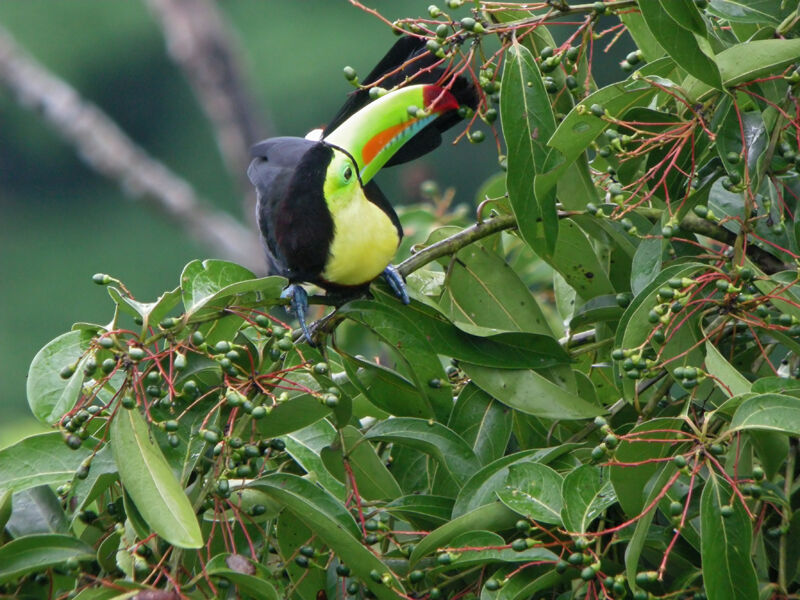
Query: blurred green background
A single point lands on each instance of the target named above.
(60, 222)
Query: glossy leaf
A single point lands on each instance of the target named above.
(494, 516)
(503, 350)
(49, 395)
(768, 412)
(38, 460)
(682, 45)
(631, 483)
(531, 393)
(587, 493)
(332, 524)
(251, 578)
(38, 552)
(528, 123)
(534, 491)
(728, 571)
(434, 439)
(482, 422)
(483, 290)
(149, 481)
(204, 282)
(746, 62)
(373, 479)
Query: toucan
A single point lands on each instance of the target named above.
(322, 218)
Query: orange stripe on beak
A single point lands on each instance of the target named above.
(380, 140)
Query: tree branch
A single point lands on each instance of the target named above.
(108, 150)
(201, 44)
(455, 242)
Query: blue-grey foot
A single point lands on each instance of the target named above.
(298, 299)
(395, 281)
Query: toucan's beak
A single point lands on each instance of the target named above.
(376, 132)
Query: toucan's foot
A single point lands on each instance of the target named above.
(395, 281)
(298, 298)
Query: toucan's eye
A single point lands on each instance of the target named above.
(347, 173)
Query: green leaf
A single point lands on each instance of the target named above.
(36, 510)
(38, 460)
(151, 313)
(481, 487)
(686, 14)
(765, 12)
(534, 491)
(481, 548)
(417, 321)
(531, 393)
(305, 445)
(49, 395)
(631, 483)
(681, 44)
(150, 482)
(387, 389)
(528, 123)
(434, 439)
(577, 262)
(745, 62)
(291, 415)
(373, 479)
(642, 532)
(768, 412)
(580, 127)
(423, 510)
(494, 516)
(729, 379)
(586, 495)
(38, 552)
(332, 523)
(210, 280)
(251, 578)
(483, 290)
(482, 422)
(728, 572)
(646, 264)
(596, 310)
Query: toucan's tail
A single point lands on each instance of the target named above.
(409, 60)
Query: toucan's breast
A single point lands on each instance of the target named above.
(364, 242)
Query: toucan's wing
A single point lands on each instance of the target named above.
(408, 58)
(288, 174)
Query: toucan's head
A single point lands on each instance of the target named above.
(341, 177)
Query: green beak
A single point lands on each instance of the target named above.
(376, 132)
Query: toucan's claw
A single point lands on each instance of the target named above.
(298, 298)
(395, 281)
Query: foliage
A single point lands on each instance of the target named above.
(632, 434)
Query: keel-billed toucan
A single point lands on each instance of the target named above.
(322, 218)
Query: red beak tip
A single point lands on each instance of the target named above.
(438, 99)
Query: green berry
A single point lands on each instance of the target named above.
(675, 508)
(350, 74)
(597, 110)
(101, 278)
(519, 545)
(211, 437)
(588, 573)
(444, 558)
(726, 511)
(416, 576)
(679, 461)
(73, 442)
(476, 137)
(301, 561)
(136, 353)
